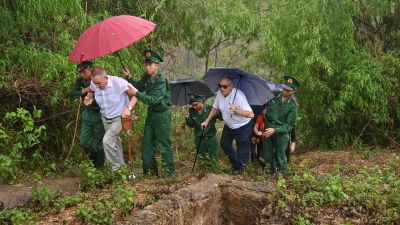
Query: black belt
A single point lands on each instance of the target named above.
(93, 110)
(158, 110)
(110, 118)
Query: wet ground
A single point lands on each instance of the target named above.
(197, 198)
(12, 196)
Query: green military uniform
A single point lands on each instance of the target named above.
(154, 91)
(209, 143)
(282, 116)
(92, 130)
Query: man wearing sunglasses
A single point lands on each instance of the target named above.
(237, 114)
(280, 119)
(153, 90)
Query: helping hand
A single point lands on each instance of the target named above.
(186, 114)
(86, 90)
(126, 73)
(292, 147)
(88, 100)
(204, 124)
(269, 131)
(135, 90)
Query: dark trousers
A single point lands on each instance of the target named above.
(91, 137)
(157, 133)
(275, 147)
(241, 135)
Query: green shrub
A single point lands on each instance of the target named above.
(41, 195)
(100, 212)
(124, 197)
(370, 190)
(68, 201)
(18, 216)
(9, 167)
(26, 135)
(92, 177)
(207, 164)
(104, 210)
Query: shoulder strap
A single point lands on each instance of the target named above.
(295, 100)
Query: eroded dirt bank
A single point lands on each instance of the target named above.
(214, 200)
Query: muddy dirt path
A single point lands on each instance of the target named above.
(12, 196)
(196, 199)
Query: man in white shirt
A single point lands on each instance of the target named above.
(111, 94)
(237, 114)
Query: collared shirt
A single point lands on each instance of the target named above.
(113, 99)
(232, 120)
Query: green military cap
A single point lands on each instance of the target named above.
(83, 65)
(195, 98)
(152, 56)
(290, 83)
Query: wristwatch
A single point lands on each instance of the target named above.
(130, 108)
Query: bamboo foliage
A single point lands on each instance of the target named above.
(345, 93)
(345, 53)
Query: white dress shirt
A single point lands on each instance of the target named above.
(113, 99)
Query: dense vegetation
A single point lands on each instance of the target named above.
(345, 53)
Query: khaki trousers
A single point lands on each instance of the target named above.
(112, 142)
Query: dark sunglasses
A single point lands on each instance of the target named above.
(223, 86)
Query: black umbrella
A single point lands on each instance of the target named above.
(181, 87)
(256, 89)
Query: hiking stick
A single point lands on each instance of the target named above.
(198, 147)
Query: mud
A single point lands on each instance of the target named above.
(12, 196)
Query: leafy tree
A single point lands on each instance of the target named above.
(346, 85)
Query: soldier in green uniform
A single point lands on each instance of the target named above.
(280, 118)
(153, 90)
(92, 130)
(194, 117)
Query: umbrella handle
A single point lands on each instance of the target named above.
(240, 79)
(237, 88)
(120, 60)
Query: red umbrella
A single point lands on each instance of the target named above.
(109, 36)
